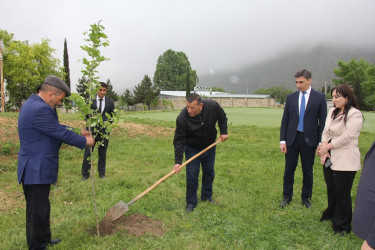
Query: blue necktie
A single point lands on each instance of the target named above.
(301, 113)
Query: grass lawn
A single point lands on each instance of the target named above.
(248, 187)
(262, 117)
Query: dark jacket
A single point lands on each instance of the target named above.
(199, 131)
(364, 210)
(109, 108)
(41, 136)
(314, 119)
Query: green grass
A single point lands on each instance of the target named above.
(263, 117)
(248, 186)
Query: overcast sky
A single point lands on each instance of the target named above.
(214, 34)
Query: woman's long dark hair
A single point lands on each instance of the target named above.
(345, 91)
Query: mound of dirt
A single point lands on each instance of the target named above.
(134, 129)
(131, 129)
(135, 224)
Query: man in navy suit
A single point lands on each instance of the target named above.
(41, 136)
(300, 133)
(364, 210)
(106, 107)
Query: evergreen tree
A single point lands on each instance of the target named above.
(82, 88)
(127, 97)
(67, 103)
(145, 92)
(66, 64)
(110, 92)
(188, 83)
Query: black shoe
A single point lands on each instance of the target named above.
(306, 203)
(211, 201)
(102, 176)
(285, 202)
(54, 241)
(325, 217)
(189, 208)
(85, 178)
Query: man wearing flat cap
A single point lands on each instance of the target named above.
(41, 136)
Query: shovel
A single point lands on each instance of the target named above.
(121, 207)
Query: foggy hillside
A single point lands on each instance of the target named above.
(280, 70)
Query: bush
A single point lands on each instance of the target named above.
(6, 149)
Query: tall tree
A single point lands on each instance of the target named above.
(26, 67)
(82, 88)
(171, 71)
(67, 103)
(188, 89)
(110, 92)
(145, 92)
(6, 37)
(66, 64)
(127, 97)
(360, 75)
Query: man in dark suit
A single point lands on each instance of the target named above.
(300, 133)
(106, 107)
(41, 136)
(364, 210)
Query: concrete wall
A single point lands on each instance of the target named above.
(180, 102)
(245, 102)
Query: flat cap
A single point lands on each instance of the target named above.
(57, 83)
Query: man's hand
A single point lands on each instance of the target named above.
(176, 168)
(223, 137)
(85, 132)
(283, 148)
(366, 246)
(90, 141)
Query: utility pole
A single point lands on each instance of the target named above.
(325, 87)
(2, 78)
(247, 86)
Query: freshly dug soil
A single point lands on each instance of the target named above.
(135, 224)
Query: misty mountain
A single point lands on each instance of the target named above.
(280, 70)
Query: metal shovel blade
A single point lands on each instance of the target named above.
(117, 211)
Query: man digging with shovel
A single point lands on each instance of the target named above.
(195, 130)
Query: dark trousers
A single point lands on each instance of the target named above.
(307, 153)
(102, 152)
(339, 186)
(38, 232)
(207, 160)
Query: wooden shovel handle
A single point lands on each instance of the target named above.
(173, 172)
